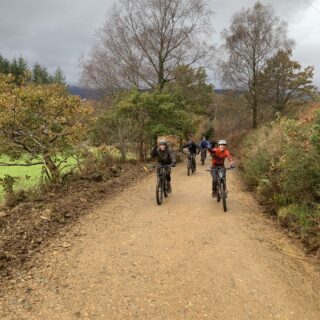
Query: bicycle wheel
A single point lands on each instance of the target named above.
(193, 166)
(218, 194)
(159, 192)
(223, 195)
(165, 187)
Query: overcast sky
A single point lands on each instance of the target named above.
(60, 32)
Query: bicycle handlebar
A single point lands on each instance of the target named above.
(230, 168)
(163, 165)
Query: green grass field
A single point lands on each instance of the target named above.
(27, 176)
(30, 176)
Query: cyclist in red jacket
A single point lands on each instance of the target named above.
(218, 157)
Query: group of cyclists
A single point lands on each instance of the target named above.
(217, 150)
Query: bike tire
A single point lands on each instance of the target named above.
(218, 192)
(223, 196)
(159, 192)
(164, 187)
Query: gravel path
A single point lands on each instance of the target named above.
(186, 259)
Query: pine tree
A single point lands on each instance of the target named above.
(19, 69)
(40, 74)
(59, 77)
(4, 65)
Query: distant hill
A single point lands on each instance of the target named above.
(92, 94)
(85, 93)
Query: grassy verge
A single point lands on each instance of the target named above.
(26, 177)
(281, 162)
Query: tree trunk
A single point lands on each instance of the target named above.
(123, 152)
(161, 74)
(255, 113)
(141, 151)
(51, 166)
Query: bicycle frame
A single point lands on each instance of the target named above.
(161, 186)
(162, 173)
(191, 164)
(220, 173)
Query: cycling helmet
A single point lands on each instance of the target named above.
(162, 142)
(222, 142)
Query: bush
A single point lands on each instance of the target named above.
(282, 163)
(298, 214)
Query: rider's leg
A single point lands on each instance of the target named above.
(214, 182)
(168, 176)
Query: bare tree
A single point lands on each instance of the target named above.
(143, 41)
(254, 36)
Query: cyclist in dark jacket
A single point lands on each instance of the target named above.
(166, 157)
(194, 149)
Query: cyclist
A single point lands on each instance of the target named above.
(165, 157)
(193, 151)
(219, 155)
(204, 146)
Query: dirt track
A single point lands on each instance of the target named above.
(187, 259)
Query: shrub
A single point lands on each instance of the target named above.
(282, 163)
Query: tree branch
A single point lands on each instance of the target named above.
(20, 164)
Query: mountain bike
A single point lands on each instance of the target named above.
(203, 156)
(221, 186)
(191, 164)
(162, 182)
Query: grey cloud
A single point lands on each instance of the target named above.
(54, 33)
(58, 33)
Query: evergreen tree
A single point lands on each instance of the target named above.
(59, 77)
(22, 65)
(14, 69)
(4, 65)
(40, 74)
(19, 69)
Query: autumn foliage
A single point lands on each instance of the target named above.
(40, 123)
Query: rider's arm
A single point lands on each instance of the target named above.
(154, 152)
(229, 157)
(184, 146)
